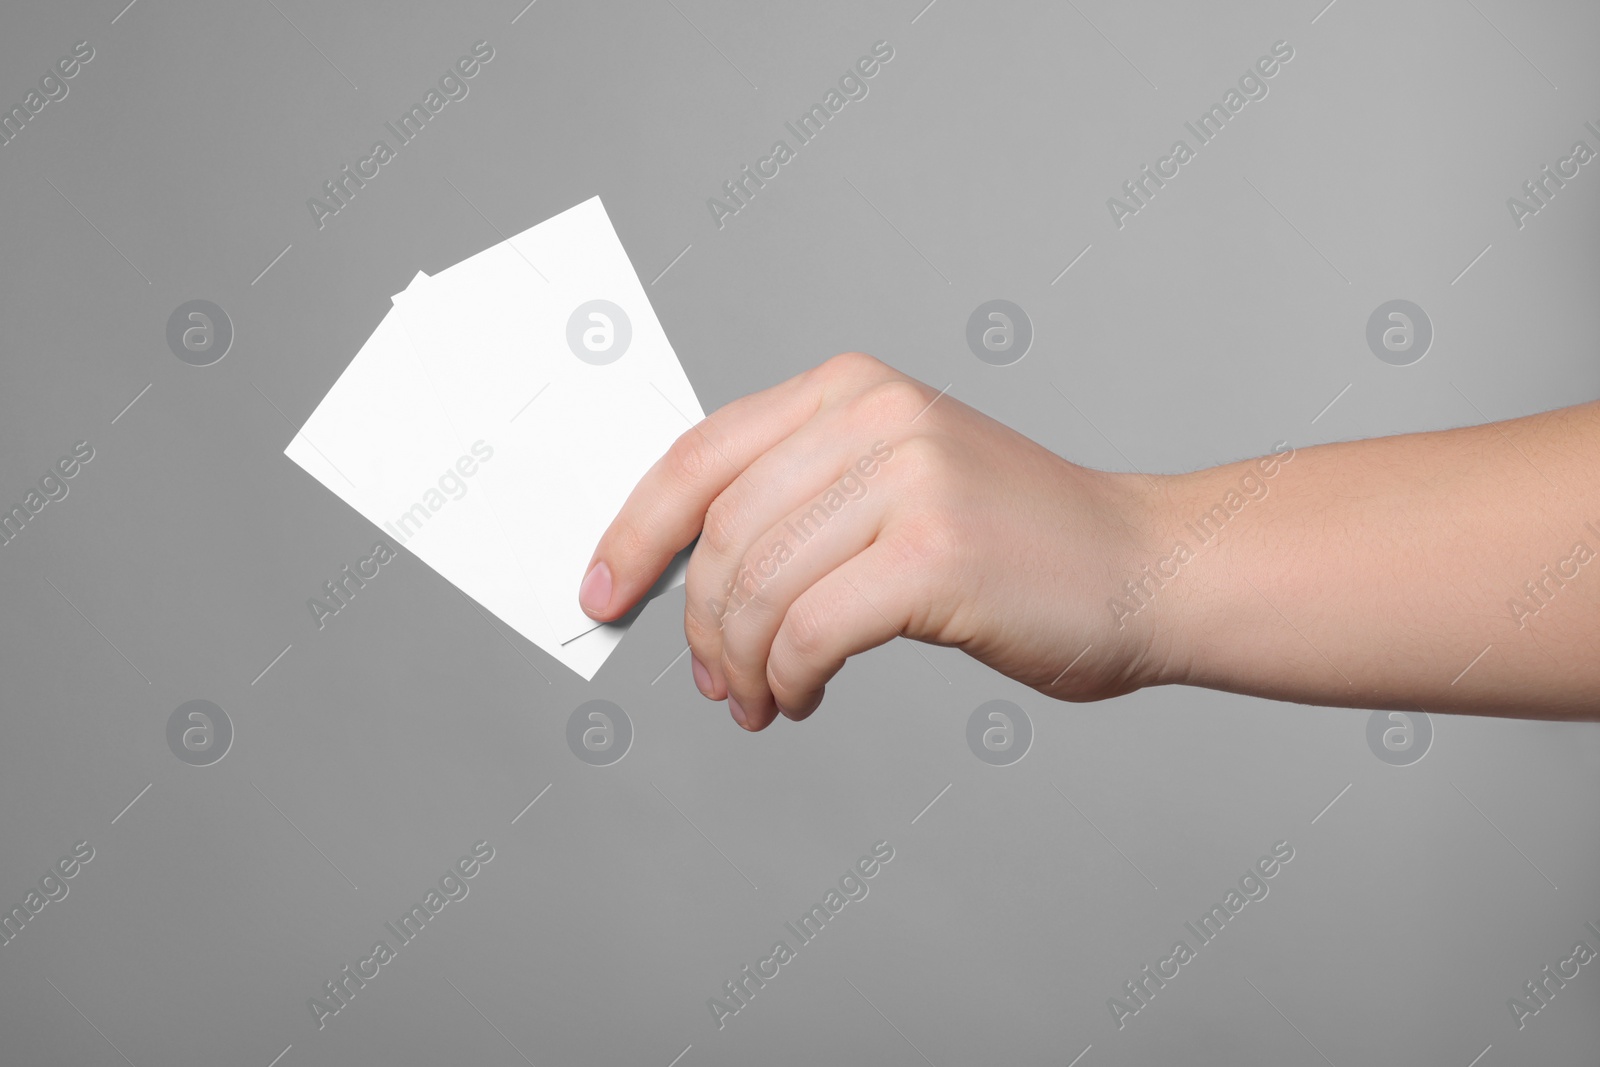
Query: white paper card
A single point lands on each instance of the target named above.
(547, 344)
(470, 430)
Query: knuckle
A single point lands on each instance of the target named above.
(741, 674)
(920, 460)
(689, 458)
(850, 366)
(720, 531)
(746, 593)
(702, 624)
(705, 640)
(744, 658)
(805, 635)
(895, 400)
(787, 678)
(791, 679)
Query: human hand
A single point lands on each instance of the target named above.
(852, 504)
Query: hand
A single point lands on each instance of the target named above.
(852, 504)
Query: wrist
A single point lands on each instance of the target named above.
(1174, 607)
(1184, 532)
(1137, 605)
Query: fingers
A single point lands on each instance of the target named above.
(861, 604)
(802, 481)
(771, 459)
(666, 509)
(804, 547)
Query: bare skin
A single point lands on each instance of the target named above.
(852, 504)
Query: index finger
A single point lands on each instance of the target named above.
(666, 509)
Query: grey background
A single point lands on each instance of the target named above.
(1220, 320)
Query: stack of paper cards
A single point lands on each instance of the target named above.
(499, 416)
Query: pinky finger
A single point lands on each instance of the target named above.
(858, 605)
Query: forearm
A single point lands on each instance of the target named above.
(1451, 571)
